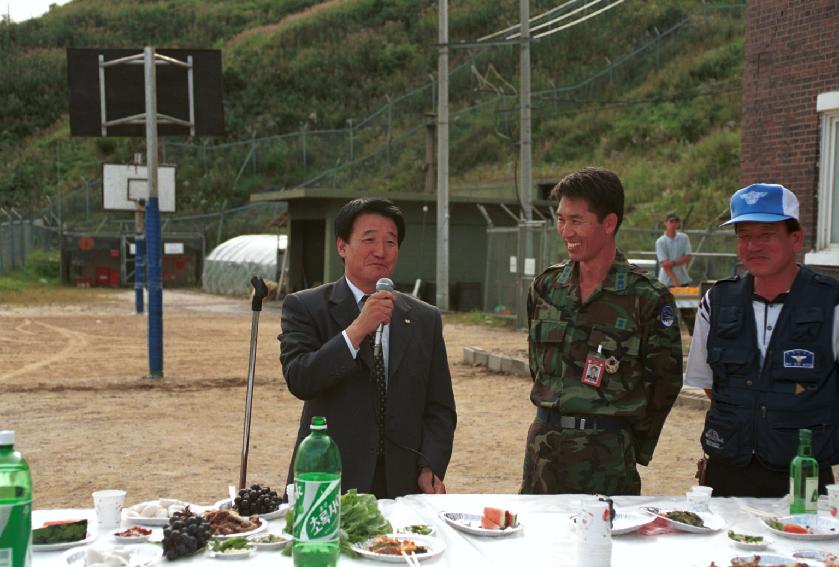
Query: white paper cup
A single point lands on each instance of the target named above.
(833, 499)
(594, 534)
(108, 506)
(699, 498)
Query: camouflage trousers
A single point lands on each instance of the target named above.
(560, 461)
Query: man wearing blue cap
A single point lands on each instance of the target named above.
(765, 349)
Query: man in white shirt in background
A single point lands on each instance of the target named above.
(672, 249)
(765, 349)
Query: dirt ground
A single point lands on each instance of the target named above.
(73, 386)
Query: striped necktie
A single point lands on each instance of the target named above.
(378, 376)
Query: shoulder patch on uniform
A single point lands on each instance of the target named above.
(621, 323)
(620, 281)
(667, 316)
(566, 273)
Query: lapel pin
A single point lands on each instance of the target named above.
(407, 321)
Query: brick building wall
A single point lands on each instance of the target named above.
(791, 56)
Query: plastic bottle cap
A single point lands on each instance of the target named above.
(7, 437)
(318, 423)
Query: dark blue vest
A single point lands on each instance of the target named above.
(759, 411)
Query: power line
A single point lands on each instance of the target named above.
(533, 19)
(581, 20)
(560, 18)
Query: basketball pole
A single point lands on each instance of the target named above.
(153, 251)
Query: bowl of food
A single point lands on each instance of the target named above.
(748, 541)
(134, 534)
(232, 548)
(270, 542)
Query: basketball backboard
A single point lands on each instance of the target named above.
(123, 187)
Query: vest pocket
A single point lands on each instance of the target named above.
(725, 437)
(728, 362)
(780, 442)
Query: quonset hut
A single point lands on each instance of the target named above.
(229, 268)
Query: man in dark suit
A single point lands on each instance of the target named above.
(328, 362)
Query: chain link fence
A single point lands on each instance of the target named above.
(515, 255)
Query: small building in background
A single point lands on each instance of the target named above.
(102, 259)
(229, 268)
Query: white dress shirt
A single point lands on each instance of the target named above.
(359, 295)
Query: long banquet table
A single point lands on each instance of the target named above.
(547, 538)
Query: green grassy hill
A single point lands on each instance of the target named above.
(649, 89)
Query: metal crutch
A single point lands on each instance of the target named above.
(260, 290)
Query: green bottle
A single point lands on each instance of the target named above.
(15, 505)
(804, 477)
(317, 509)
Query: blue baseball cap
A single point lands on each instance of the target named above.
(763, 202)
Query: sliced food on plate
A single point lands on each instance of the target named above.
(493, 522)
(60, 534)
(391, 547)
(225, 523)
(134, 534)
(804, 526)
(155, 512)
(692, 522)
(748, 541)
(232, 548)
(417, 529)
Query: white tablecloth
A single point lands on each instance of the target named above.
(546, 540)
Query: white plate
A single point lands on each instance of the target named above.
(825, 528)
(628, 521)
(65, 545)
(825, 557)
(131, 539)
(769, 560)
(235, 554)
(434, 546)
(141, 555)
(269, 546)
(280, 512)
(752, 546)
(134, 518)
(404, 530)
(713, 523)
(471, 524)
(263, 526)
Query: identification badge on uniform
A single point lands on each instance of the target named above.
(594, 368)
(612, 364)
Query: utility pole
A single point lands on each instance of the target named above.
(525, 171)
(60, 212)
(442, 284)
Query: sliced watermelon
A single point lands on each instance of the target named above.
(510, 519)
(488, 524)
(494, 518)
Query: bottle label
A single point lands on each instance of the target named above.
(811, 494)
(317, 514)
(16, 534)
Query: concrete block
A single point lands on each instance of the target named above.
(506, 365)
(521, 368)
(481, 358)
(494, 362)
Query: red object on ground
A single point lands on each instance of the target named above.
(113, 279)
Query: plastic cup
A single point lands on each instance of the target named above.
(108, 506)
(833, 499)
(699, 498)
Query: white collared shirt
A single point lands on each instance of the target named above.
(359, 295)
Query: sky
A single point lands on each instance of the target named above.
(21, 10)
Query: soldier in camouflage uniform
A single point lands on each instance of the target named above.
(605, 352)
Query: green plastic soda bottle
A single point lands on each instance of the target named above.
(15, 505)
(804, 477)
(317, 509)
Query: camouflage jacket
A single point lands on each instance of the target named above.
(633, 318)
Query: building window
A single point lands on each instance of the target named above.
(826, 245)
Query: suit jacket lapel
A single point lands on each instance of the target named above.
(401, 335)
(343, 310)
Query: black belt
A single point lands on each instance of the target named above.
(590, 423)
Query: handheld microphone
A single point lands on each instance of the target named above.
(384, 284)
